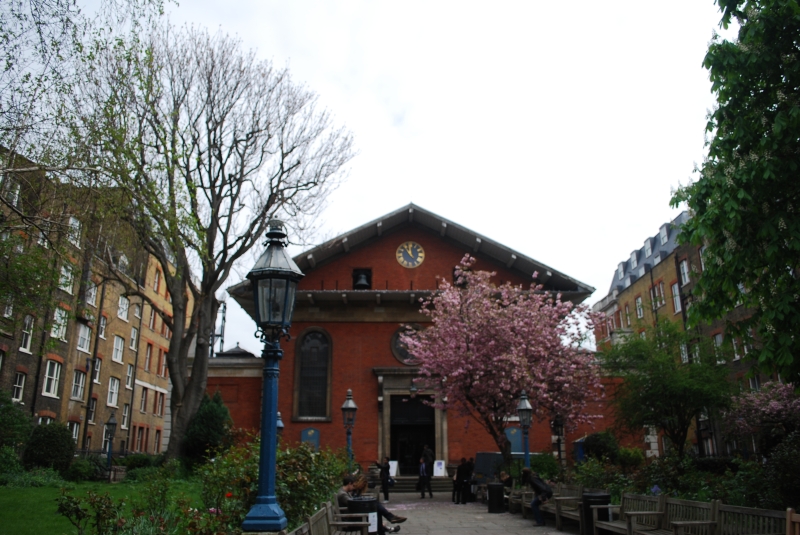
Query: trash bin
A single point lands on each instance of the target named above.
(368, 505)
(495, 498)
(589, 499)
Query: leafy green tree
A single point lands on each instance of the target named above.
(602, 445)
(15, 425)
(746, 202)
(50, 446)
(209, 430)
(669, 378)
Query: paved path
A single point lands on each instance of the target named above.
(440, 516)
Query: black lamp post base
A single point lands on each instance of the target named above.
(263, 517)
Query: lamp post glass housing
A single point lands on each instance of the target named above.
(525, 413)
(274, 280)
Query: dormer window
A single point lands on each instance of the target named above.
(362, 279)
(634, 262)
(621, 270)
(648, 247)
(664, 234)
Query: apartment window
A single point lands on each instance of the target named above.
(642, 334)
(67, 280)
(627, 316)
(92, 410)
(78, 384)
(718, 339)
(106, 439)
(84, 335)
(12, 193)
(97, 364)
(140, 439)
(129, 377)
(113, 392)
(157, 445)
(639, 308)
(163, 366)
(648, 248)
(122, 264)
(59, 330)
(634, 262)
(101, 327)
(19, 387)
(657, 295)
(51, 376)
(620, 271)
(74, 429)
(119, 347)
(91, 294)
(27, 334)
(148, 355)
(126, 414)
(676, 298)
(156, 281)
(74, 235)
(702, 253)
(122, 308)
(41, 241)
(134, 338)
(45, 420)
(684, 353)
(159, 404)
(151, 323)
(8, 310)
(736, 355)
(137, 310)
(684, 268)
(663, 235)
(143, 401)
(755, 383)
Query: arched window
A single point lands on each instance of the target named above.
(312, 376)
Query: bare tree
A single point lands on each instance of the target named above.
(210, 143)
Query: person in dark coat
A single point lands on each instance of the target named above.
(424, 478)
(384, 467)
(463, 476)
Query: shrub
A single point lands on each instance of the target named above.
(15, 425)
(630, 459)
(141, 474)
(137, 460)
(9, 461)
(43, 477)
(80, 470)
(545, 465)
(209, 430)
(595, 474)
(50, 446)
(602, 445)
(783, 473)
(716, 465)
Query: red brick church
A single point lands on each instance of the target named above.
(358, 290)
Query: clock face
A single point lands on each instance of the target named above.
(410, 254)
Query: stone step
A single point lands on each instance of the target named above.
(409, 484)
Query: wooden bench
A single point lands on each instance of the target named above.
(690, 517)
(733, 520)
(572, 509)
(339, 518)
(792, 522)
(630, 503)
(527, 498)
(515, 500)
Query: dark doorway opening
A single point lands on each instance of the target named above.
(413, 426)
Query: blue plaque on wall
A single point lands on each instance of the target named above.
(514, 436)
(310, 435)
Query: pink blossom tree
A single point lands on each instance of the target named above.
(487, 343)
(771, 413)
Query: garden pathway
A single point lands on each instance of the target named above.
(440, 516)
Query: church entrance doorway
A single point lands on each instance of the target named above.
(412, 427)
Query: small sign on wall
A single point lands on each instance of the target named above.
(439, 469)
(393, 468)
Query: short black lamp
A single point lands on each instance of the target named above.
(111, 429)
(274, 279)
(349, 409)
(557, 426)
(525, 413)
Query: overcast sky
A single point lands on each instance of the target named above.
(556, 128)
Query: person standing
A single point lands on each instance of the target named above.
(542, 493)
(424, 478)
(427, 455)
(385, 467)
(463, 475)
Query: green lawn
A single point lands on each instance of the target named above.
(32, 511)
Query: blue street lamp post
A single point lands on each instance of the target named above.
(274, 280)
(525, 413)
(111, 429)
(349, 416)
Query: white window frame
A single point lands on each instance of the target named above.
(98, 363)
(163, 365)
(92, 410)
(45, 420)
(113, 392)
(122, 308)
(648, 248)
(13, 189)
(102, 323)
(18, 390)
(66, 281)
(152, 323)
(684, 269)
(736, 354)
(620, 271)
(134, 339)
(639, 308)
(664, 235)
(137, 310)
(75, 429)
(159, 404)
(129, 377)
(719, 339)
(119, 348)
(143, 401)
(627, 316)
(684, 354)
(52, 376)
(126, 414)
(84, 337)
(27, 334)
(74, 234)
(755, 383)
(91, 294)
(59, 329)
(700, 253)
(78, 385)
(8, 310)
(157, 281)
(676, 298)
(148, 356)
(634, 259)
